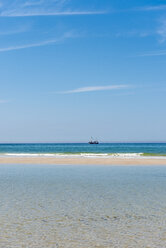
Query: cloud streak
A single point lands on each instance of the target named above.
(45, 13)
(153, 53)
(151, 8)
(3, 101)
(17, 30)
(29, 3)
(22, 8)
(39, 44)
(162, 31)
(95, 88)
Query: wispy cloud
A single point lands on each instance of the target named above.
(153, 53)
(3, 101)
(159, 33)
(43, 8)
(47, 13)
(16, 30)
(162, 31)
(134, 33)
(34, 3)
(94, 88)
(151, 8)
(39, 44)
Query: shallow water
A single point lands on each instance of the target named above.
(82, 206)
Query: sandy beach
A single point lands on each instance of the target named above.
(83, 161)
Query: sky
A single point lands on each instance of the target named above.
(72, 69)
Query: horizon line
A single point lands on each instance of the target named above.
(83, 142)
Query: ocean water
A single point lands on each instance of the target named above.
(75, 149)
(82, 206)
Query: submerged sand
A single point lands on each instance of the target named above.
(83, 160)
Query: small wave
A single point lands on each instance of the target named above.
(83, 155)
(27, 155)
(53, 155)
(126, 155)
(64, 155)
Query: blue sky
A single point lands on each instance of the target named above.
(74, 69)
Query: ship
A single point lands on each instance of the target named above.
(93, 142)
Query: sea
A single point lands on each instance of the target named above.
(82, 206)
(57, 206)
(83, 149)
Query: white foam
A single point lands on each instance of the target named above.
(82, 155)
(26, 155)
(85, 155)
(126, 155)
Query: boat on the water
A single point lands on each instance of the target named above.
(93, 142)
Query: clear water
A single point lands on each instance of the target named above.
(82, 206)
(151, 148)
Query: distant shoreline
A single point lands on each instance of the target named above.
(84, 160)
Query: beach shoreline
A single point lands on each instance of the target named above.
(83, 160)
